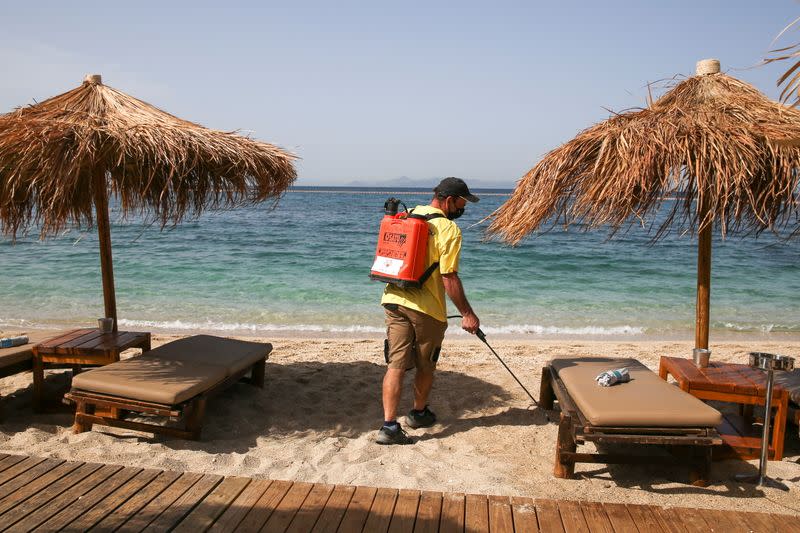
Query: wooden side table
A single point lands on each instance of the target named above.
(734, 383)
(79, 348)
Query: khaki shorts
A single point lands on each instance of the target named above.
(413, 339)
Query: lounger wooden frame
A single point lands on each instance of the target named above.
(574, 429)
(188, 414)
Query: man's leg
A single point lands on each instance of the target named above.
(398, 351)
(423, 382)
(392, 389)
(429, 333)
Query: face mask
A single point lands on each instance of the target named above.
(452, 215)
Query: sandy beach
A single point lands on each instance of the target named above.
(316, 419)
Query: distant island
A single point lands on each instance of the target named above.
(405, 182)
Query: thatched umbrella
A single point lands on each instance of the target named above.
(716, 144)
(60, 157)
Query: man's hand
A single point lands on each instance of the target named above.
(470, 322)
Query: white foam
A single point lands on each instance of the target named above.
(237, 326)
(762, 328)
(21, 323)
(454, 329)
(534, 329)
(517, 329)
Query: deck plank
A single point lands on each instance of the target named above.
(548, 516)
(312, 507)
(356, 513)
(10, 460)
(130, 503)
(500, 517)
(52, 495)
(263, 508)
(620, 518)
(429, 512)
(380, 514)
(28, 488)
(335, 507)
(476, 513)
(668, 520)
(757, 522)
(36, 494)
(405, 511)
(238, 509)
(524, 512)
(286, 510)
(112, 502)
(786, 523)
(452, 520)
(692, 519)
(63, 498)
(213, 505)
(185, 504)
(26, 472)
(644, 518)
(596, 518)
(159, 502)
(723, 521)
(77, 509)
(572, 517)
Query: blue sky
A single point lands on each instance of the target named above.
(372, 91)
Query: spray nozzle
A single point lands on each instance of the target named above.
(391, 205)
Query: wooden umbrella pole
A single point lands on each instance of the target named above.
(703, 275)
(104, 234)
(704, 67)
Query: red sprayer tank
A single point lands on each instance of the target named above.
(402, 247)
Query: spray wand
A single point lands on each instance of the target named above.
(482, 336)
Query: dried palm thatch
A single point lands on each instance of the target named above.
(55, 154)
(716, 144)
(711, 139)
(791, 78)
(59, 157)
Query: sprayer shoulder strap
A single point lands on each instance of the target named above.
(430, 270)
(425, 217)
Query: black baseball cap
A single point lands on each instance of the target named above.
(455, 187)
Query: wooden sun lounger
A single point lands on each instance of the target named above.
(20, 358)
(174, 381)
(643, 411)
(791, 382)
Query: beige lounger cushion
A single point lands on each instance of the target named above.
(234, 355)
(151, 379)
(791, 382)
(11, 356)
(645, 401)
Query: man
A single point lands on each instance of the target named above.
(416, 318)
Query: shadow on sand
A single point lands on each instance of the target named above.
(323, 399)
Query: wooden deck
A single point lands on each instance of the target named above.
(56, 495)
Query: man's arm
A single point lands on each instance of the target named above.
(455, 290)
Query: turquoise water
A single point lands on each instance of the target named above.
(303, 267)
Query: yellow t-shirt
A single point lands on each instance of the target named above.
(444, 246)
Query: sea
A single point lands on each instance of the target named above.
(301, 267)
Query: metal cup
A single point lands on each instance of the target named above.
(106, 325)
(701, 357)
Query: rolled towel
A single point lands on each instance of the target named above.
(10, 342)
(610, 377)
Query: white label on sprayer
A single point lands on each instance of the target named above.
(387, 265)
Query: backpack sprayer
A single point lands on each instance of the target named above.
(402, 246)
(482, 336)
